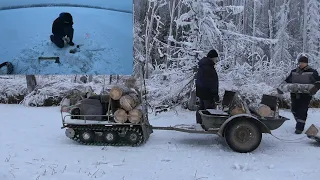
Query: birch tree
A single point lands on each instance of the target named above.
(305, 23)
(281, 50)
(173, 7)
(312, 46)
(150, 32)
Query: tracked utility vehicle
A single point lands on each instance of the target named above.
(91, 122)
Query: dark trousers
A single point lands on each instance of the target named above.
(57, 39)
(204, 104)
(299, 108)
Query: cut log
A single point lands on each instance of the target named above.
(120, 116)
(237, 110)
(238, 105)
(65, 105)
(135, 115)
(263, 110)
(130, 101)
(298, 88)
(118, 91)
(65, 102)
(313, 132)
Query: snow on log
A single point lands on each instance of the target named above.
(298, 88)
(135, 115)
(129, 101)
(120, 116)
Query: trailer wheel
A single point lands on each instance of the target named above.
(243, 136)
(87, 136)
(110, 136)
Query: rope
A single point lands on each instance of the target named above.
(290, 140)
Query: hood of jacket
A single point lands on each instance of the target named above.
(206, 62)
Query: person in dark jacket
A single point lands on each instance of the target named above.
(61, 28)
(207, 83)
(303, 74)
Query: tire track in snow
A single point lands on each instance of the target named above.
(62, 5)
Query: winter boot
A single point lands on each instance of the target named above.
(298, 131)
(71, 43)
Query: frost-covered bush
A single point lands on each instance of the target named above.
(13, 89)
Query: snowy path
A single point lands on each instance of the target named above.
(33, 145)
(107, 37)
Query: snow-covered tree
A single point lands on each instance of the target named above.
(313, 31)
(152, 23)
(203, 25)
(281, 50)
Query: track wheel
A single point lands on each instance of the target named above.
(132, 137)
(87, 136)
(110, 136)
(70, 133)
(243, 136)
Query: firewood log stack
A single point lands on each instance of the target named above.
(130, 103)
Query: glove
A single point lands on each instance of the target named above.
(66, 39)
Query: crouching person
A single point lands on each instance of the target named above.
(207, 83)
(303, 74)
(62, 27)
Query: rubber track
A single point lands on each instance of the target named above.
(99, 142)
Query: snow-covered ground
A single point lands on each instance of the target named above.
(107, 38)
(34, 147)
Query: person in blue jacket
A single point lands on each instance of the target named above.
(62, 27)
(207, 83)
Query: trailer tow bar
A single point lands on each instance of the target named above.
(187, 128)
